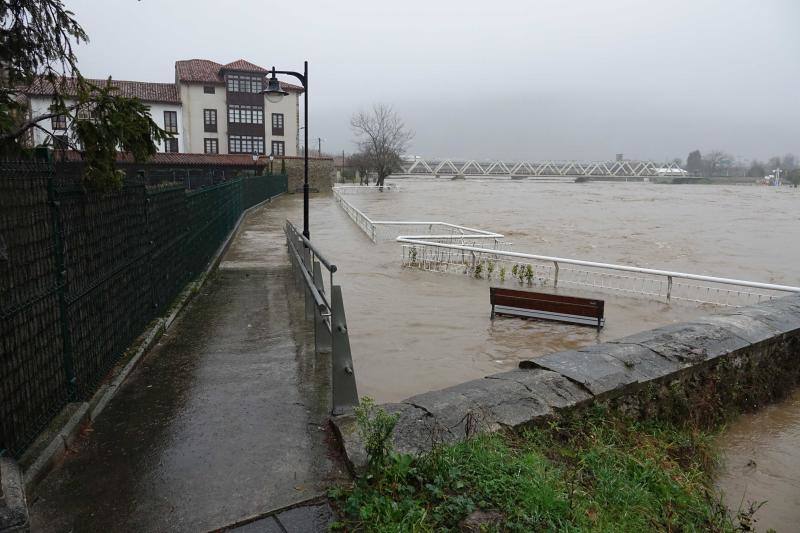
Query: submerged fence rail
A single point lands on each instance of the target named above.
(82, 273)
(376, 229)
(327, 313)
(444, 247)
(560, 271)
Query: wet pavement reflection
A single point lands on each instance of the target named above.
(223, 420)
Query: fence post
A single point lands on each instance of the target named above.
(61, 288)
(343, 379)
(669, 288)
(555, 278)
(310, 304)
(322, 339)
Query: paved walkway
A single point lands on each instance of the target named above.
(222, 421)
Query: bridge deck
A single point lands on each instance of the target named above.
(223, 420)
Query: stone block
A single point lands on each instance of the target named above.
(599, 373)
(743, 325)
(689, 343)
(642, 362)
(551, 388)
(782, 314)
(413, 434)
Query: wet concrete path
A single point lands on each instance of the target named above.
(223, 420)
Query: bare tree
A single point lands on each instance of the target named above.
(382, 137)
(716, 161)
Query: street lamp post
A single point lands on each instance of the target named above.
(274, 94)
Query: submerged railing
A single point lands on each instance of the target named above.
(445, 247)
(434, 230)
(351, 189)
(327, 313)
(557, 272)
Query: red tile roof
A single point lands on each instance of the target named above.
(205, 71)
(244, 66)
(143, 90)
(199, 70)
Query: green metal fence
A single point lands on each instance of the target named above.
(83, 273)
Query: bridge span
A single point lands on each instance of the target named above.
(550, 168)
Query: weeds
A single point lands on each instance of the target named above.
(478, 270)
(596, 472)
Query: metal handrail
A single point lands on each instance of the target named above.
(319, 299)
(327, 314)
(326, 263)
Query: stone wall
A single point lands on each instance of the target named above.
(320, 172)
(699, 370)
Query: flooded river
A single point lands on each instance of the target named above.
(414, 331)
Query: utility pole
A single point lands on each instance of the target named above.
(319, 146)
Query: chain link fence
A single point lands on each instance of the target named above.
(82, 274)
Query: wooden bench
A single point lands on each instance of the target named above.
(528, 304)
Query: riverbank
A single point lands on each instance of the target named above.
(592, 472)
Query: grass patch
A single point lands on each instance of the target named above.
(596, 472)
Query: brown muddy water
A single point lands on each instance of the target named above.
(412, 331)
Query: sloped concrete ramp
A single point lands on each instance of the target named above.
(223, 420)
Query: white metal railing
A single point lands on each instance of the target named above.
(446, 247)
(347, 189)
(544, 270)
(433, 230)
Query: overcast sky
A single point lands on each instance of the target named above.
(536, 79)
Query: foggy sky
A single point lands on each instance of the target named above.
(537, 79)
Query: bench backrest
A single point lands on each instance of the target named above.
(553, 303)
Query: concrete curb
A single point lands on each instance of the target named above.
(14, 516)
(86, 412)
(58, 446)
(257, 521)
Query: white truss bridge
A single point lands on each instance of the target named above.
(621, 169)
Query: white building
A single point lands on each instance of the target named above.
(671, 171)
(210, 109)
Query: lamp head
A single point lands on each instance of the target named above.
(274, 93)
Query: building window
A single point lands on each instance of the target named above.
(209, 120)
(171, 145)
(171, 122)
(245, 144)
(278, 148)
(88, 112)
(277, 123)
(60, 142)
(245, 114)
(209, 89)
(211, 146)
(241, 83)
(59, 122)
